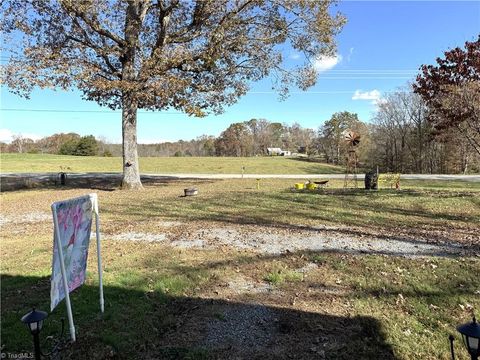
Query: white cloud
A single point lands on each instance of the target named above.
(294, 55)
(374, 95)
(8, 136)
(366, 95)
(324, 63)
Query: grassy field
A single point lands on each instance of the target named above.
(166, 165)
(172, 303)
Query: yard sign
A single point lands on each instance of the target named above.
(72, 221)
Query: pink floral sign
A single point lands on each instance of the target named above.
(74, 218)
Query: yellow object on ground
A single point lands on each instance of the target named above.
(311, 186)
(390, 179)
(299, 186)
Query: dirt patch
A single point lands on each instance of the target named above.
(134, 236)
(242, 285)
(169, 224)
(189, 244)
(307, 268)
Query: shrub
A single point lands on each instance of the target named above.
(84, 146)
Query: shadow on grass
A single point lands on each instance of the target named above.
(358, 199)
(93, 181)
(154, 325)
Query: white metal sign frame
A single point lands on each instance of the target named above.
(94, 201)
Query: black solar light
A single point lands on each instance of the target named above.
(34, 321)
(471, 337)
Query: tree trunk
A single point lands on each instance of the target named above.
(465, 162)
(131, 172)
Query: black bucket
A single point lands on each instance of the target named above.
(62, 178)
(371, 180)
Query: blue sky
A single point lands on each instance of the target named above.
(380, 49)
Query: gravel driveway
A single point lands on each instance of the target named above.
(274, 241)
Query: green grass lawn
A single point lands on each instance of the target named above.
(161, 301)
(444, 209)
(167, 165)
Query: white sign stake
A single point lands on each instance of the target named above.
(94, 199)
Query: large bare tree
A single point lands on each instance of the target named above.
(195, 56)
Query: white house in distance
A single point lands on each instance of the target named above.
(278, 152)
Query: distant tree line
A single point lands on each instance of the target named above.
(254, 137)
(249, 138)
(62, 144)
(403, 139)
(400, 138)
